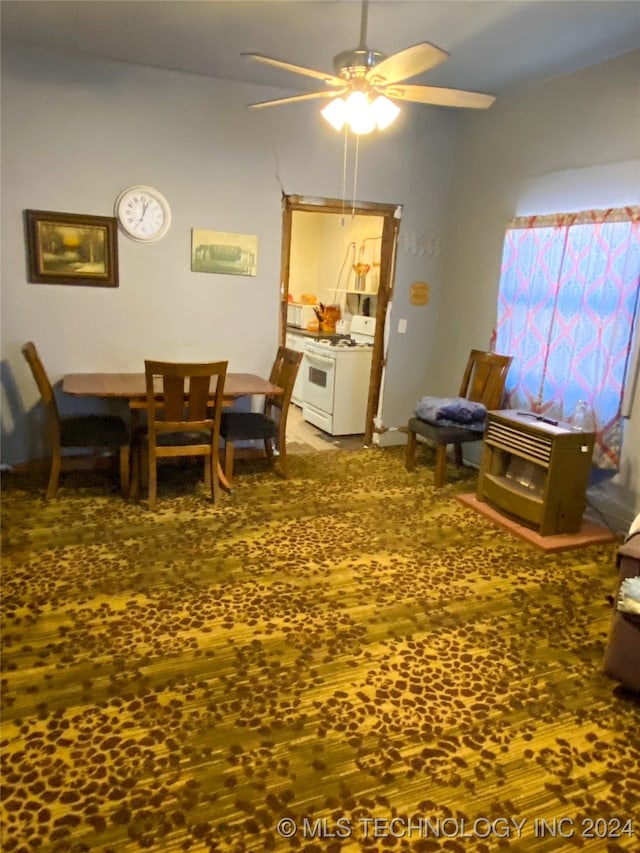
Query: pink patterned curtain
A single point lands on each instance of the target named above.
(567, 307)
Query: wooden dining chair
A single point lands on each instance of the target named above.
(76, 432)
(483, 382)
(268, 425)
(183, 419)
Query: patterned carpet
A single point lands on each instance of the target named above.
(345, 661)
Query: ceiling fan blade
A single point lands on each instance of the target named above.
(407, 63)
(306, 96)
(438, 96)
(329, 79)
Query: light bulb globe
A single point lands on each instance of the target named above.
(335, 113)
(385, 111)
(359, 115)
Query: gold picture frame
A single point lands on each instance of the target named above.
(71, 248)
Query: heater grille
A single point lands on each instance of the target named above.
(535, 447)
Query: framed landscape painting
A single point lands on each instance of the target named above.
(71, 248)
(222, 252)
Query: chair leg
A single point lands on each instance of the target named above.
(136, 452)
(54, 474)
(125, 485)
(282, 449)
(228, 459)
(140, 470)
(457, 449)
(222, 477)
(268, 450)
(284, 462)
(212, 462)
(153, 481)
(441, 465)
(410, 456)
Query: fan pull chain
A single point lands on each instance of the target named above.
(344, 172)
(355, 178)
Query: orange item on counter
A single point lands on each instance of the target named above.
(328, 315)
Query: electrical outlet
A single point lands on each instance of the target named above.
(402, 327)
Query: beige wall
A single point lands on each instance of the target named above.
(76, 131)
(571, 144)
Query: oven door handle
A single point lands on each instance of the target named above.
(322, 360)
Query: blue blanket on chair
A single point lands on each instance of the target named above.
(452, 411)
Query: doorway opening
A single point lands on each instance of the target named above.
(325, 251)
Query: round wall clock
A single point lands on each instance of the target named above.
(143, 213)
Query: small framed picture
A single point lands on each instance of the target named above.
(71, 248)
(223, 252)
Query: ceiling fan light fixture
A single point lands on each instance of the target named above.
(365, 75)
(360, 113)
(385, 111)
(335, 113)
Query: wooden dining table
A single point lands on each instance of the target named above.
(132, 388)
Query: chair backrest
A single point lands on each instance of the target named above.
(30, 353)
(484, 378)
(186, 399)
(284, 373)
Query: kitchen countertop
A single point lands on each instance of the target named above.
(316, 336)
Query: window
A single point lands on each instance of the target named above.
(567, 308)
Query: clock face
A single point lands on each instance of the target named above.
(143, 213)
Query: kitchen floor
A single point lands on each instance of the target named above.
(303, 437)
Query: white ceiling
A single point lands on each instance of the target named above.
(496, 47)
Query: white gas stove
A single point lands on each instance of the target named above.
(336, 382)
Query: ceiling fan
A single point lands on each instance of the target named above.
(366, 82)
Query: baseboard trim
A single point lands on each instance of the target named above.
(603, 509)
